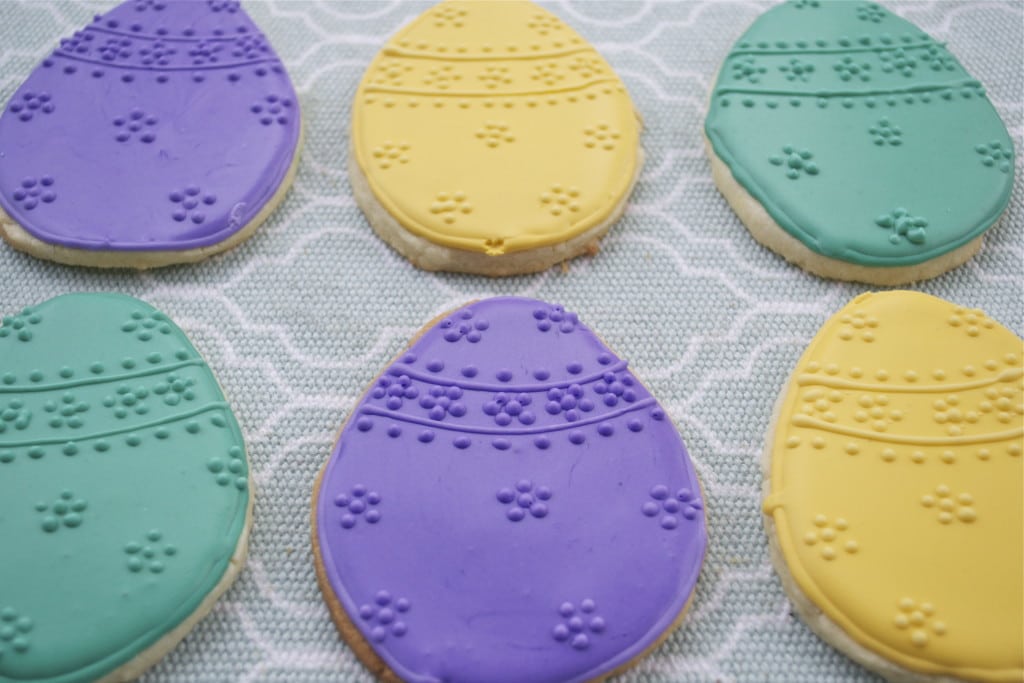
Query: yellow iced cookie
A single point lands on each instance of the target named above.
(489, 137)
(894, 489)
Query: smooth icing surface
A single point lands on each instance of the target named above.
(861, 136)
(508, 503)
(123, 485)
(494, 127)
(896, 483)
(163, 125)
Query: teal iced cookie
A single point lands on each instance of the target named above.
(855, 145)
(124, 489)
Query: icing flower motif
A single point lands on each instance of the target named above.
(357, 502)
(525, 498)
(939, 59)
(685, 503)
(747, 69)
(950, 507)
(796, 162)
(917, 618)
(142, 556)
(456, 328)
(569, 401)
(443, 401)
(31, 104)
(578, 627)
(614, 387)
(848, 69)
(18, 326)
(14, 630)
(994, 154)
(187, 202)
(884, 133)
(395, 389)
(386, 612)
(507, 408)
(869, 11)
(898, 60)
(66, 412)
(801, 4)
(33, 191)
(902, 225)
(556, 316)
(272, 108)
(135, 122)
(16, 415)
(797, 70)
(66, 510)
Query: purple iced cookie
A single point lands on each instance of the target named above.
(162, 132)
(507, 503)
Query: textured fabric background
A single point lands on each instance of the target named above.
(301, 317)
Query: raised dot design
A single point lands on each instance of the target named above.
(579, 625)
(524, 500)
(358, 503)
(385, 616)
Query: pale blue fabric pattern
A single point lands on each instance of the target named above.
(300, 318)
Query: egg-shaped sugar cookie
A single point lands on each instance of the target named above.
(894, 500)
(165, 131)
(489, 137)
(507, 503)
(125, 500)
(855, 145)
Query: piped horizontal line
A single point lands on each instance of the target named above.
(908, 439)
(505, 431)
(219, 405)
(525, 388)
(174, 39)
(392, 51)
(839, 383)
(832, 51)
(927, 88)
(86, 381)
(486, 93)
(143, 67)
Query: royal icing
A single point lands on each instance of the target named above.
(509, 487)
(123, 485)
(895, 484)
(860, 135)
(493, 127)
(162, 125)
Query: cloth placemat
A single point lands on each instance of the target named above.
(300, 318)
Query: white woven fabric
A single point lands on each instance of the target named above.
(300, 318)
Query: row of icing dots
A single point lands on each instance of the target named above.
(489, 100)
(830, 375)
(848, 99)
(140, 23)
(843, 44)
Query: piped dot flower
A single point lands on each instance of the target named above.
(869, 11)
(507, 408)
(848, 69)
(383, 616)
(547, 73)
(614, 387)
(66, 412)
(33, 191)
(821, 402)
(463, 326)
(154, 5)
(136, 122)
(544, 24)
(874, 410)
(230, 469)
(902, 225)
(394, 390)
(151, 554)
(556, 317)
(14, 631)
(20, 326)
(899, 61)
(440, 402)
(15, 415)
(797, 70)
(390, 153)
(66, 511)
(884, 133)
(569, 401)
(174, 389)
(950, 507)
(972, 321)
(445, 16)
(160, 53)
(995, 155)
(359, 502)
(917, 619)
(442, 77)
(806, 4)
(828, 536)
(229, 6)
(31, 104)
(189, 204)
(938, 58)
(494, 76)
(685, 504)
(578, 626)
(493, 133)
(146, 325)
(586, 67)
(601, 135)
(796, 162)
(559, 199)
(448, 205)
(858, 325)
(523, 499)
(273, 108)
(747, 69)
